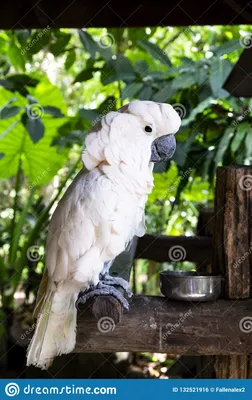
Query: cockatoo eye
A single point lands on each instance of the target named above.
(148, 129)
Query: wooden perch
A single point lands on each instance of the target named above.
(155, 324)
(156, 247)
(78, 14)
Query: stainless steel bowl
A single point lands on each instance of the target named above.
(190, 286)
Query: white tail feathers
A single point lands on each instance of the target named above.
(55, 332)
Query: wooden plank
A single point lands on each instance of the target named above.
(155, 324)
(238, 82)
(162, 248)
(234, 367)
(78, 13)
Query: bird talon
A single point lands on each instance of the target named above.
(102, 289)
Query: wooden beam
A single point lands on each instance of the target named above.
(156, 248)
(27, 14)
(155, 324)
(239, 81)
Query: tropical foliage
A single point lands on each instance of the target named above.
(54, 84)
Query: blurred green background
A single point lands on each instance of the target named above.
(54, 84)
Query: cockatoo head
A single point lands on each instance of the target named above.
(141, 130)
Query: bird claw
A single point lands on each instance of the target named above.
(117, 281)
(102, 289)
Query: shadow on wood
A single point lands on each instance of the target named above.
(155, 324)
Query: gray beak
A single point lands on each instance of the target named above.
(163, 148)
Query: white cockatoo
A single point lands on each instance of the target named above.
(101, 211)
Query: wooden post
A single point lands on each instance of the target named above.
(232, 255)
(233, 232)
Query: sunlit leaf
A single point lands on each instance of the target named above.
(8, 112)
(34, 126)
(240, 133)
(85, 75)
(155, 51)
(71, 57)
(228, 47)
(88, 42)
(220, 69)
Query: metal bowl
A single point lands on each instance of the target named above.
(190, 286)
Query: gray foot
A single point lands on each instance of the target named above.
(102, 290)
(106, 279)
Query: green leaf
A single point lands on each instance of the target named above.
(23, 80)
(165, 93)
(8, 112)
(240, 133)
(142, 68)
(88, 42)
(15, 56)
(40, 161)
(228, 47)
(183, 149)
(223, 145)
(39, 40)
(85, 75)
(248, 141)
(54, 111)
(62, 39)
(120, 69)
(145, 93)
(71, 56)
(7, 84)
(109, 104)
(206, 165)
(219, 71)
(185, 80)
(105, 53)
(130, 91)
(34, 126)
(22, 36)
(155, 52)
(89, 115)
(198, 110)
